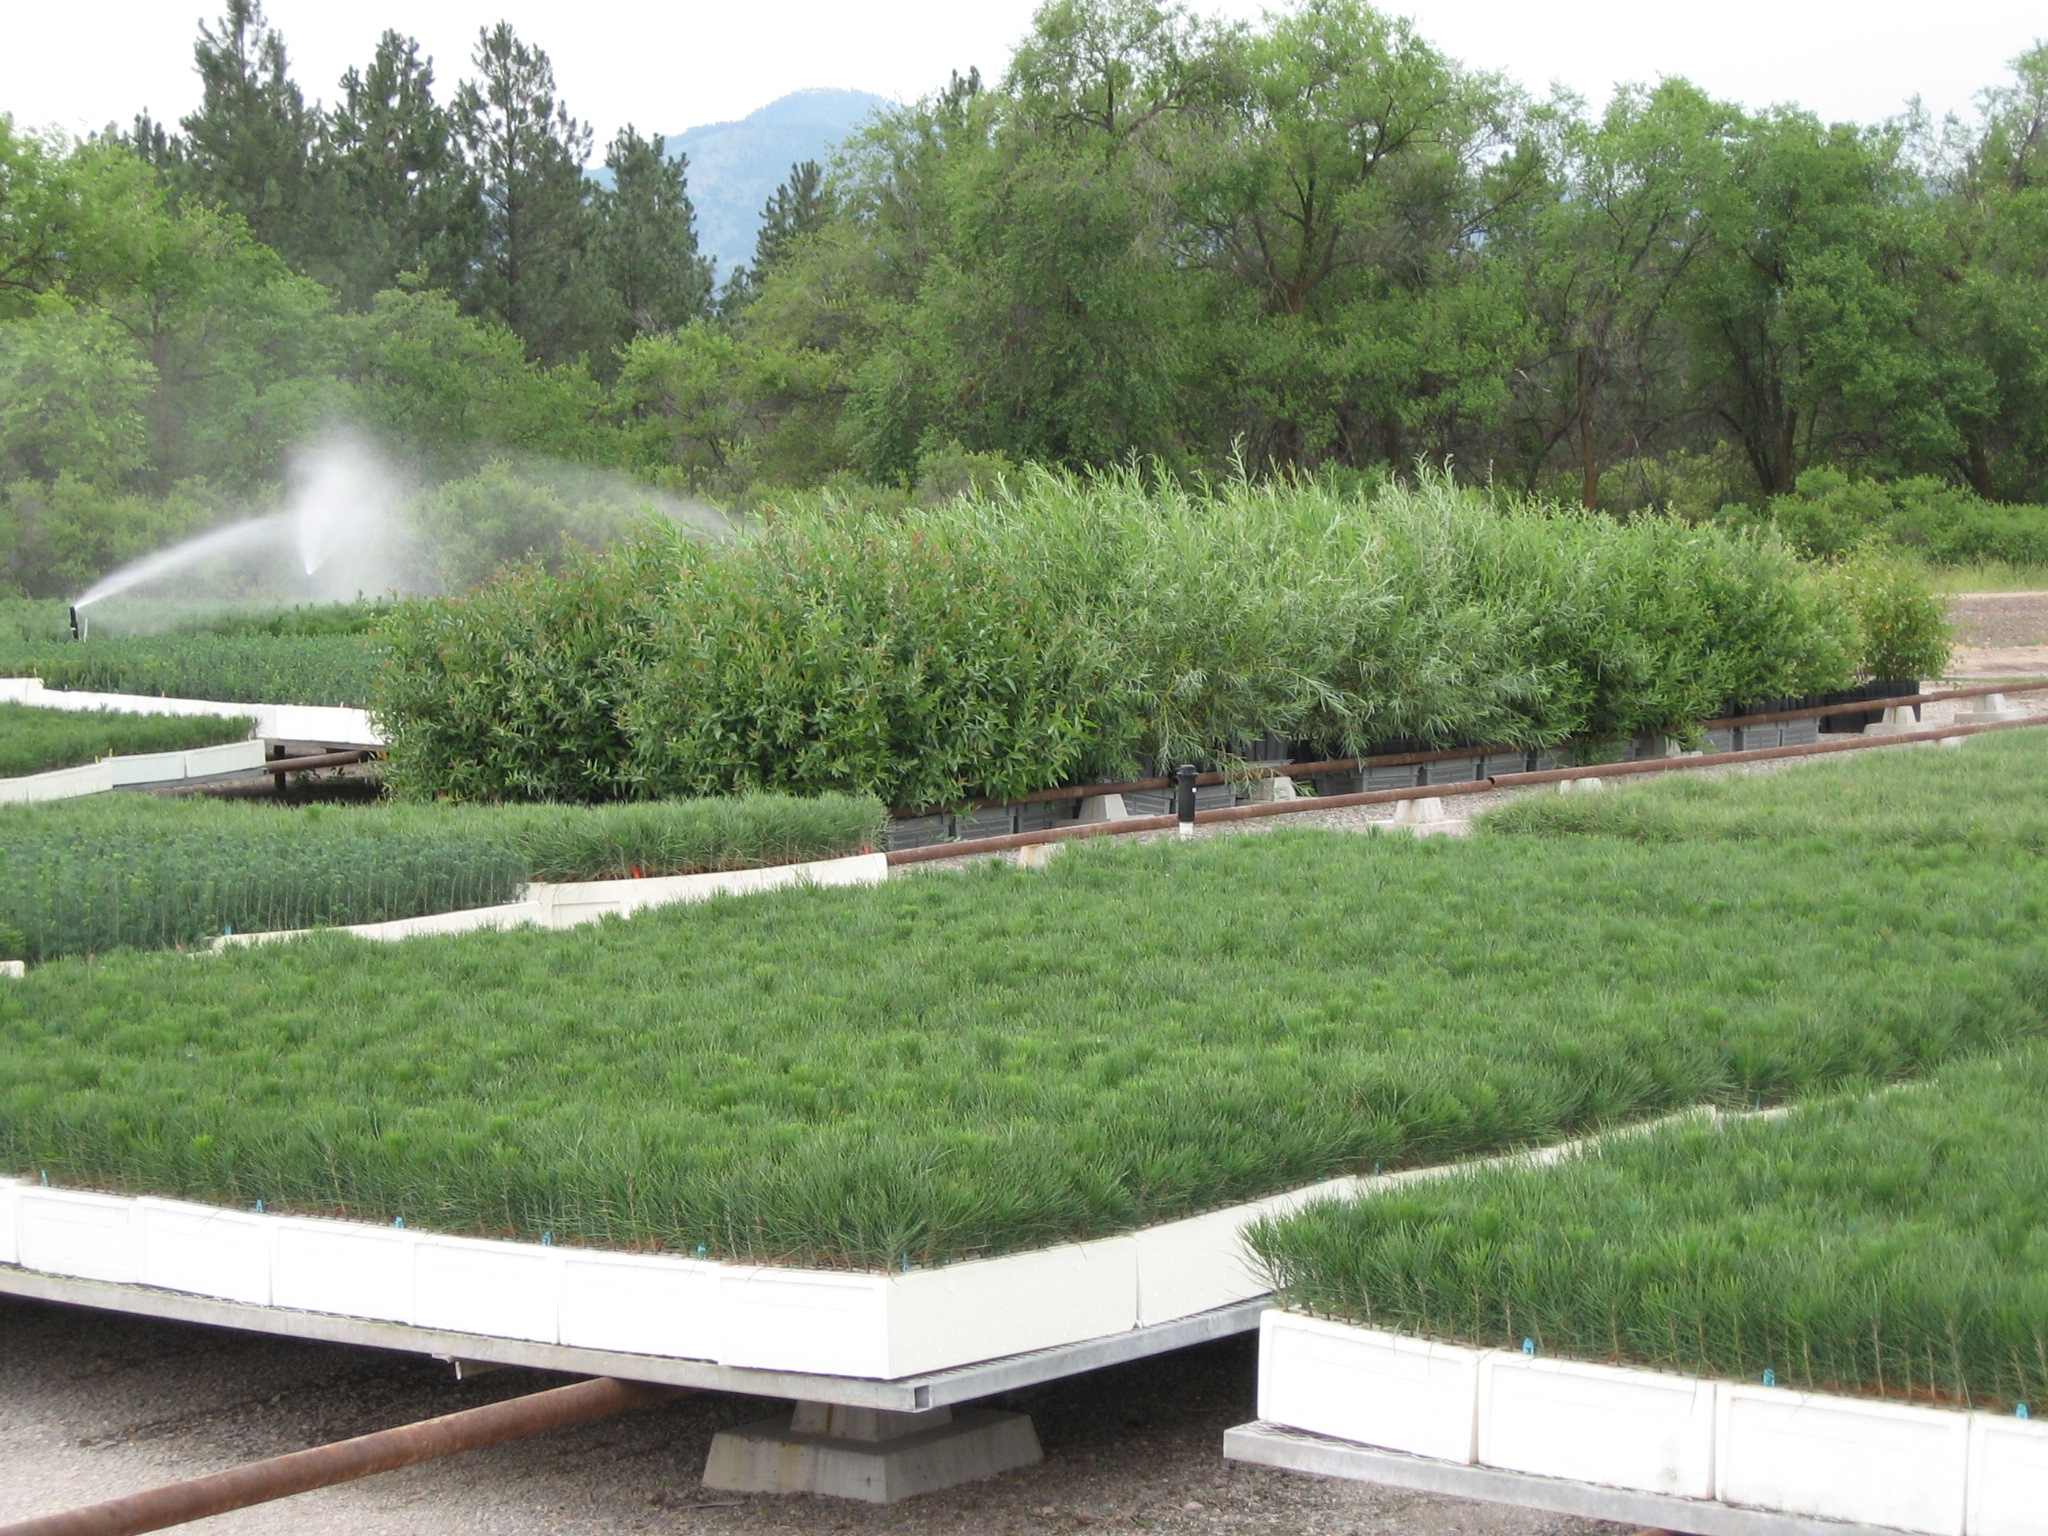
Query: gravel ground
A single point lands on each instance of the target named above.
(2000, 618)
(94, 1405)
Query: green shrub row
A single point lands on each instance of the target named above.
(34, 740)
(86, 876)
(1831, 513)
(946, 1066)
(1893, 1243)
(1068, 629)
(240, 669)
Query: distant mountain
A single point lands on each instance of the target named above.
(736, 167)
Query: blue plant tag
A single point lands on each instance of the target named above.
(1770, 1377)
(2019, 1411)
(1528, 1346)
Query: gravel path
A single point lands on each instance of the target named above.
(2000, 618)
(93, 1405)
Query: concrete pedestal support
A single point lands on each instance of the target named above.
(1415, 813)
(869, 1453)
(1990, 710)
(1278, 787)
(1898, 721)
(1100, 808)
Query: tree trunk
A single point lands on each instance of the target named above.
(1589, 455)
(1979, 468)
(1783, 476)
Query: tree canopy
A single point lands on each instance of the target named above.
(1315, 245)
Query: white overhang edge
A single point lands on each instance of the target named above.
(746, 1317)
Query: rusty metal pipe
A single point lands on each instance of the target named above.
(345, 1460)
(341, 759)
(985, 845)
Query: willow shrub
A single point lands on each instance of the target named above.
(1067, 628)
(910, 658)
(513, 691)
(1890, 1243)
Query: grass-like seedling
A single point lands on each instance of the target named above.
(1889, 1243)
(688, 837)
(246, 668)
(955, 1065)
(86, 876)
(1992, 792)
(34, 740)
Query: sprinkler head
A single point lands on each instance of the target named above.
(77, 626)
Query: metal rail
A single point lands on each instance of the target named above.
(1448, 754)
(903, 1394)
(1270, 1445)
(340, 759)
(973, 847)
(345, 1460)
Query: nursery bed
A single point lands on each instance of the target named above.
(36, 741)
(1883, 1244)
(947, 1067)
(892, 1088)
(1675, 1452)
(332, 725)
(1835, 1313)
(93, 875)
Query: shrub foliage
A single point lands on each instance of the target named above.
(1068, 628)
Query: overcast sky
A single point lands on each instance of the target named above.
(685, 62)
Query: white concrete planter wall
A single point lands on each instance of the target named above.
(1932, 1471)
(274, 722)
(111, 773)
(828, 1322)
(569, 905)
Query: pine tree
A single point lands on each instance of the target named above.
(404, 198)
(249, 147)
(801, 206)
(646, 238)
(155, 145)
(526, 154)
